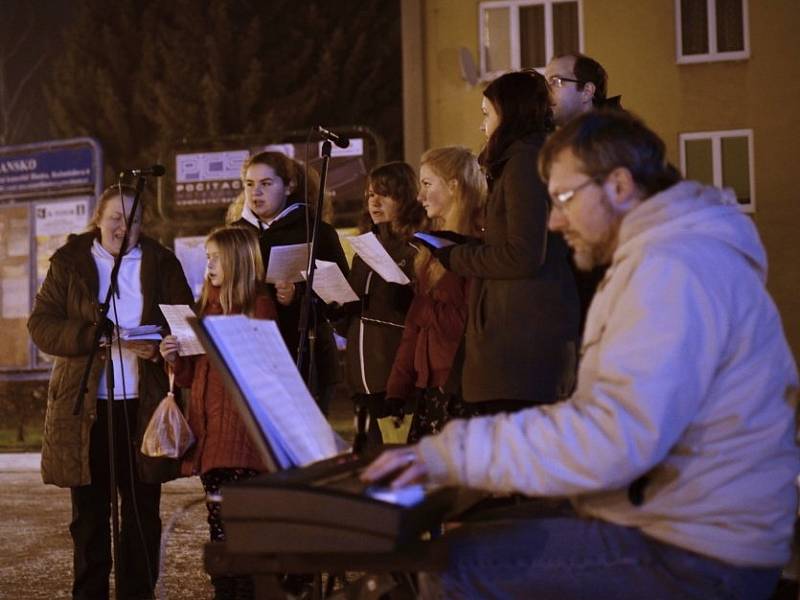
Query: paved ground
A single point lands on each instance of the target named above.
(36, 562)
(36, 556)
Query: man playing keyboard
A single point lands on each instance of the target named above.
(677, 448)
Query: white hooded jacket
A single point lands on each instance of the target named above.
(685, 377)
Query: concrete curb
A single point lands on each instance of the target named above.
(20, 462)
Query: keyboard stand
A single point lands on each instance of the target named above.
(264, 568)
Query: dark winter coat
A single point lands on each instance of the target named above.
(223, 440)
(374, 329)
(291, 229)
(63, 324)
(524, 313)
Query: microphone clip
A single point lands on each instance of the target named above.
(339, 140)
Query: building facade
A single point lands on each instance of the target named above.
(719, 80)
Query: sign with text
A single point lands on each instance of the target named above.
(213, 179)
(47, 169)
(208, 178)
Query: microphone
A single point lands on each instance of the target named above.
(154, 170)
(339, 140)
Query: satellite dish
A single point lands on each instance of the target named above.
(469, 72)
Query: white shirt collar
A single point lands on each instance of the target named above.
(249, 216)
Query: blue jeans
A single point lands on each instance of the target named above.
(568, 557)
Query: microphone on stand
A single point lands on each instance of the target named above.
(340, 140)
(154, 170)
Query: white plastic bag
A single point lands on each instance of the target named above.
(168, 433)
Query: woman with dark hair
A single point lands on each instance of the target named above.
(277, 207)
(374, 325)
(75, 448)
(522, 330)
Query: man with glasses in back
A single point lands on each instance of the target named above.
(677, 448)
(578, 84)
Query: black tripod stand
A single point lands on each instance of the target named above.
(308, 335)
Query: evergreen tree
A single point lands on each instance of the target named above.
(142, 76)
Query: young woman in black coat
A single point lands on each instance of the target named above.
(374, 325)
(277, 207)
(523, 324)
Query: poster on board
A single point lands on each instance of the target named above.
(191, 252)
(53, 221)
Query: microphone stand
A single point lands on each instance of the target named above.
(309, 333)
(106, 327)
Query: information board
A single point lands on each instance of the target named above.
(47, 191)
(48, 169)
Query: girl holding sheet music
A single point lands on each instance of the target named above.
(374, 325)
(223, 451)
(452, 190)
(276, 207)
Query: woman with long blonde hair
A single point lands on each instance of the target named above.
(452, 190)
(223, 452)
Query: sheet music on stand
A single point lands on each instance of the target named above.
(285, 420)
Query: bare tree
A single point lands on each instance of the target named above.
(14, 113)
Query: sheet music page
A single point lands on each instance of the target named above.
(286, 263)
(372, 252)
(330, 283)
(261, 364)
(176, 315)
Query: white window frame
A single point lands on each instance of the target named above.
(513, 24)
(716, 138)
(713, 55)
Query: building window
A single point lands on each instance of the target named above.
(711, 30)
(518, 34)
(723, 159)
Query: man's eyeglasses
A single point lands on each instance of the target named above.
(559, 82)
(562, 198)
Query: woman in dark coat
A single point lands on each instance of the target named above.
(75, 447)
(523, 325)
(275, 207)
(374, 325)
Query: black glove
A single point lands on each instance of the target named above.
(394, 407)
(401, 296)
(335, 312)
(454, 237)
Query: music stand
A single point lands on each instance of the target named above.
(259, 540)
